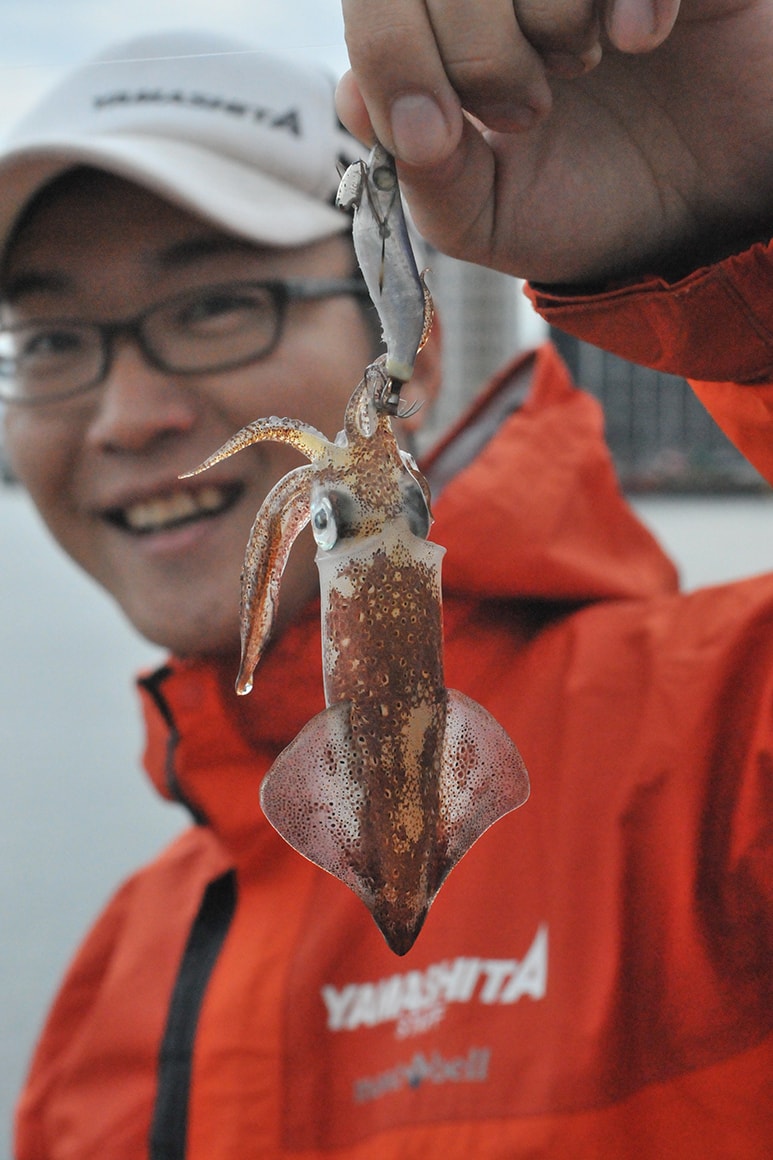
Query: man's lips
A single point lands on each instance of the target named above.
(173, 509)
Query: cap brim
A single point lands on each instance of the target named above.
(235, 196)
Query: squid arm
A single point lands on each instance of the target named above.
(283, 514)
(304, 438)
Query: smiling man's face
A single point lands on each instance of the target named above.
(103, 467)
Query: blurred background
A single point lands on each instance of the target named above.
(78, 814)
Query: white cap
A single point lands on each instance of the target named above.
(248, 140)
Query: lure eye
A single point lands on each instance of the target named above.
(384, 178)
(323, 523)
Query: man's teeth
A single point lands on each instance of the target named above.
(153, 514)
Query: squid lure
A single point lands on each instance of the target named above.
(385, 255)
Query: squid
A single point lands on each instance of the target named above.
(390, 785)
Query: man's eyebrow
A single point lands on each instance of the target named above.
(177, 256)
(189, 251)
(33, 282)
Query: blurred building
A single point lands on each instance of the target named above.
(485, 321)
(661, 437)
(660, 434)
(6, 475)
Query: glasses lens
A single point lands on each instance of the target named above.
(213, 329)
(48, 359)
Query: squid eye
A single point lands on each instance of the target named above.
(323, 523)
(415, 508)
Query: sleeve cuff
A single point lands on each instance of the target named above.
(715, 325)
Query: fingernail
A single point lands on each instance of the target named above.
(419, 130)
(633, 25)
(569, 67)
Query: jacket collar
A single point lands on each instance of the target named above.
(209, 749)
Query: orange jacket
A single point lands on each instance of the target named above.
(591, 980)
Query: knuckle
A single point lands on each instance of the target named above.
(480, 73)
(489, 85)
(384, 47)
(566, 27)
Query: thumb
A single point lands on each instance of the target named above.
(415, 128)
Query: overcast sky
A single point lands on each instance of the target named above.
(42, 39)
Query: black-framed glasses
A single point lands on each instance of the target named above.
(206, 330)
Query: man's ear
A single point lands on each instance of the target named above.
(424, 385)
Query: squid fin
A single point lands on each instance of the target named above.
(314, 797)
(482, 777)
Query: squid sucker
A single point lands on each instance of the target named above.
(390, 785)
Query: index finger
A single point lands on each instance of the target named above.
(418, 62)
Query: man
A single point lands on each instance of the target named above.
(591, 980)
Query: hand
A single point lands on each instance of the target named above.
(563, 146)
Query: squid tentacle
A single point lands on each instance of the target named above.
(306, 439)
(282, 516)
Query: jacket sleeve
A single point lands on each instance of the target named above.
(714, 327)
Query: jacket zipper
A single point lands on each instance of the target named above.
(168, 1134)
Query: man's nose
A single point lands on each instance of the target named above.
(139, 406)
